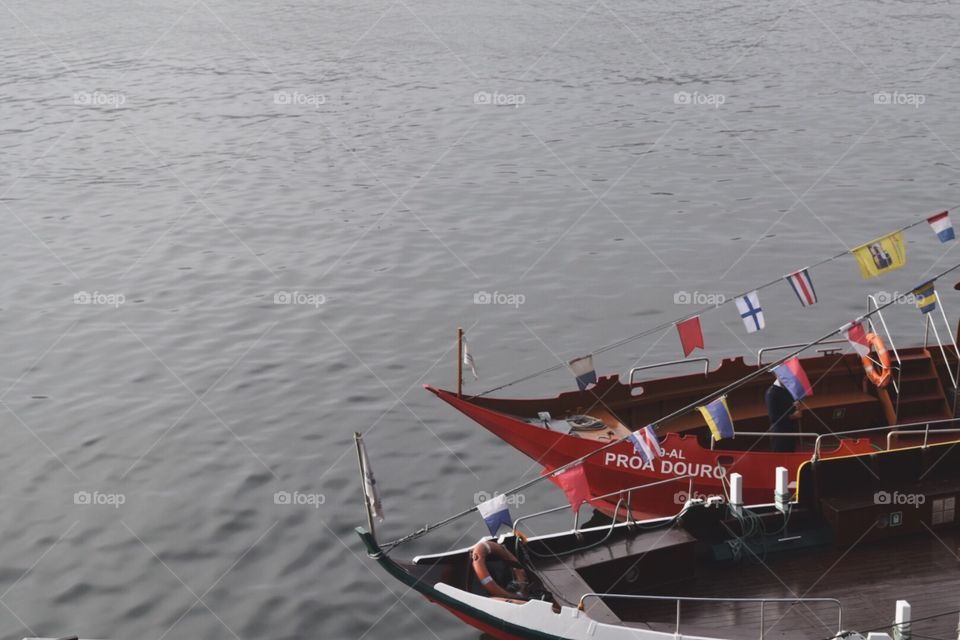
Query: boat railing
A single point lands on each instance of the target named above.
(873, 306)
(932, 324)
(629, 506)
(894, 429)
(761, 601)
(782, 347)
(770, 434)
(705, 361)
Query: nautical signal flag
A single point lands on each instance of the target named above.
(881, 255)
(584, 370)
(495, 513)
(802, 285)
(468, 358)
(573, 481)
(855, 333)
(750, 312)
(926, 297)
(646, 444)
(691, 337)
(717, 416)
(942, 226)
(793, 378)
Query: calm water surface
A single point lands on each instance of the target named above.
(179, 165)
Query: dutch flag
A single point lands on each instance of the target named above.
(802, 285)
(646, 444)
(942, 226)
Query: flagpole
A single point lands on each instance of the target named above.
(459, 362)
(358, 439)
(683, 410)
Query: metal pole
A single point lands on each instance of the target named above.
(357, 438)
(459, 362)
(761, 619)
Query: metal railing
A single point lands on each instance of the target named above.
(678, 599)
(925, 433)
(781, 347)
(931, 324)
(837, 434)
(871, 306)
(706, 366)
(629, 491)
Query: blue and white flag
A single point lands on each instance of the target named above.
(646, 444)
(750, 311)
(584, 371)
(495, 513)
(942, 226)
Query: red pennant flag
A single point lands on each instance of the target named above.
(573, 481)
(690, 335)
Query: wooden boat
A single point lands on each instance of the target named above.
(846, 415)
(865, 538)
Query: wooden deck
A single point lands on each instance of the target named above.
(867, 579)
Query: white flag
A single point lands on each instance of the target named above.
(370, 484)
(750, 312)
(468, 358)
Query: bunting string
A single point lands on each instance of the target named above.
(703, 310)
(693, 406)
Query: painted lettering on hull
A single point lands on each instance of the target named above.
(668, 465)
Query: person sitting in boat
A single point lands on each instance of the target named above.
(784, 413)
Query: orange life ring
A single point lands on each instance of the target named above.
(879, 378)
(479, 556)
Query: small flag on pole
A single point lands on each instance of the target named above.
(793, 378)
(881, 255)
(495, 513)
(374, 506)
(468, 358)
(584, 371)
(750, 312)
(573, 481)
(926, 297)
(717, 416)
(646, 444)
(855, 333)
(802, 285)
(691, 337)
(942, 226)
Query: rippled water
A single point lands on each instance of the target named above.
(184, 162)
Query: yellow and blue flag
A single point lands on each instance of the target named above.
(926, 297)
(717, 416)
(881, 255)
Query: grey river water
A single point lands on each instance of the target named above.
(234, 233)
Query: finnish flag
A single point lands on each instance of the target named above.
(750, 311)
(495, 513)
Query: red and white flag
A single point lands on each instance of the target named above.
(855, 333)
(573, 481)
(802, 285)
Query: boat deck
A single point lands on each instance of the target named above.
(867, 579)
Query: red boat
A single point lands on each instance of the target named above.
(846, 415)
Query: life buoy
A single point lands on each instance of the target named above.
(879, 378)
(479, 556)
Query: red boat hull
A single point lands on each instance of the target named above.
(620, 467)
